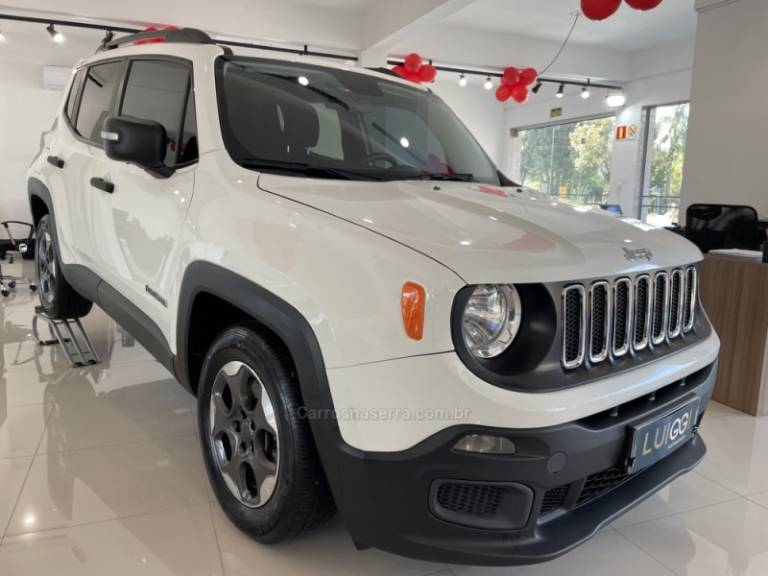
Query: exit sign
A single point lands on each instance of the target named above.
(626, 132)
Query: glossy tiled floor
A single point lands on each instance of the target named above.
(100, 473)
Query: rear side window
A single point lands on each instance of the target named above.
(72, 98)
(159, 90)
(99, 87)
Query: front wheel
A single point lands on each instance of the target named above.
(258, 450)
(57, 297)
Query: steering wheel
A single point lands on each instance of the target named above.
(371, 158)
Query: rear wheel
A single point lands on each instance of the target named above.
(258, 450)
(57, 297)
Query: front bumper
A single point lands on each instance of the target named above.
(571, 477)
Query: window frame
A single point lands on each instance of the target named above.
(87, 67)
(646, 155)
(188, 64)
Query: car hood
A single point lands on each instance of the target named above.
(487, 234)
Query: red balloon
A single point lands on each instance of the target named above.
(599, 9)
(644, 4)
(520, 93)
(427, 73)
(511, 76)
(528, 76)
(411, 77)
(399, 70)
(503, 93)
(413, 62)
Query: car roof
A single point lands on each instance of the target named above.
(208, 52)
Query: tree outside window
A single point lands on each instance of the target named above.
(571, 161)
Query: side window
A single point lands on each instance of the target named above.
(158, 90)
(72, 98)
(188, 151)
(99, 86)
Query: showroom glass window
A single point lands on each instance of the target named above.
(159, 90)
(568, 160)
(665, 138)
(366, 126)
(96, 102)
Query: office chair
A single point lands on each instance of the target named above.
(723, 226)
(25, 249)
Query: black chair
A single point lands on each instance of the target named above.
(11, 247)
(724, 226)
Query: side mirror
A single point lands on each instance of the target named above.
(140, 142)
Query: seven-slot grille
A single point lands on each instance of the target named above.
(604, 319)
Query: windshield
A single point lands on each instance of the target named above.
(318, 122)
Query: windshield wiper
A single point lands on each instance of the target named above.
(310, 170)
(444, 177)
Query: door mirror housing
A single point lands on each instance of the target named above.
(137, 141)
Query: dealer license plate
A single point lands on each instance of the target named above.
(657, 439)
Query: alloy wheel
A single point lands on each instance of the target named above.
(46, 269)
(243, 434)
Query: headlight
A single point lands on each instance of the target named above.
(491, 319)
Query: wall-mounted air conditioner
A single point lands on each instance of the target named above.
(56, 77)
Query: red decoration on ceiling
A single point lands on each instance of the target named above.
(602, 9)
(514, 84)
(599, 9)
(414, 70)
(644, 4)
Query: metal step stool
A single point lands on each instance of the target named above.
(70, 335)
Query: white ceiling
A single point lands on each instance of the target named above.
(628, 29)
(356, 5)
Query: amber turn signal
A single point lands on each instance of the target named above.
(412, 303)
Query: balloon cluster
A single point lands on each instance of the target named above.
(415, 70)
(515, 83)
(602, 9)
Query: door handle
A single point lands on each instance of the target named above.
(102, 184)
(56, 161)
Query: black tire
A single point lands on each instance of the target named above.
(300, 500)
(57, 297)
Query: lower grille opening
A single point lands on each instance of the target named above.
(486, 505)
(474, 499)
(554, 499)
(598, 484)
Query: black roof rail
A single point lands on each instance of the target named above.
(172, 35)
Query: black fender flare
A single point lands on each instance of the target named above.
(288, 324)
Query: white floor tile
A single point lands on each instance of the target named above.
(715, 410)
(761, 499)
(736, 456)
(71, 488)
(21, 428)
(688, 492)
(328, 551)
(12, 474)
(174, 543)
(722, 540)
(103, 407)
(607, 554)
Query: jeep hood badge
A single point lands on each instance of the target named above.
(638, 254)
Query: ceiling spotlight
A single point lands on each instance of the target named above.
(585, 93)
(303, 80)
(537, 88)
(462, 80)
(56, 36)
(2, 37)
(488, 84)
(616, 99)
(561, 91)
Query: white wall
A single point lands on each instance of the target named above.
(660, 75)
(478, 109)
(729, 121)
(26, 109)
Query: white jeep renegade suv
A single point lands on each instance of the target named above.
(371, 316)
